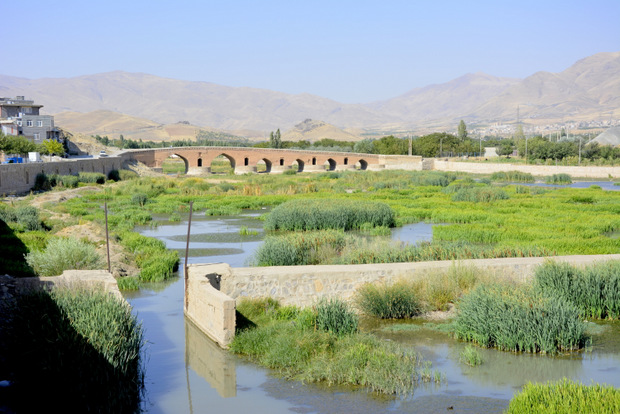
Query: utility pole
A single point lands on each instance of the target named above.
(410, 146)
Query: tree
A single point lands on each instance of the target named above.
(462, 134)
(364, 146)
(275, 140)
(505, 148)
(11, 144)
(519, 135)
(391, 145)
(52, 147)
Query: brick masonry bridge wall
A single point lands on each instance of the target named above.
(245, 159)
(212, 289)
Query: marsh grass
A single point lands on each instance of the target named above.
(395, 301)
(308, 214)
(480, 194)
(80, 340)
(335, 316)
(559, 179)
(470, 356)
(245, 231)
(282, 340)
(512, 176)
(515, 318)
(62, 254)
(594, 290)
(565, 397)
(156, 263)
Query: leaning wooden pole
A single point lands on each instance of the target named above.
(189, 226)
(107, 235)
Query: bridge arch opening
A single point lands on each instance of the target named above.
(313, 160)
(346, 161)
(223, 164)
(200, 162)
(361, 165)
(246, 161)
(298, 165)
(174, 164)
(263, 166)
(330, 165)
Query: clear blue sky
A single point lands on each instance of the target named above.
(349, 51)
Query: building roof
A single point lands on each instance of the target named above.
(609, 137)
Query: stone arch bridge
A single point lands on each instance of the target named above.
(246, 160)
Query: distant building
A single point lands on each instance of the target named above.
(19, 116)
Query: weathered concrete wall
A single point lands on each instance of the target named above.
(537, 170)
(213, 288)
(91, 279)
(303, 285)
(19, 178)
(208, 308)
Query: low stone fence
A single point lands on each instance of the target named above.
(213, 288)
(91, 279)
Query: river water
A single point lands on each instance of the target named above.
(188, 373)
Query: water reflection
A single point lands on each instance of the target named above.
(211, 362)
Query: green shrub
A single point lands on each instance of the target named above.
(139, 199)
(42, 182)
(84, 341)
(388, 302)
(328, 214)
(516, 319)
(512, 176)
(289, 172)
(25, 218)
(114, 175)
(64, 254)
(480, 194)
(595, 290)
(334, 315)
(91, 178)
(565, 397)
(559, 179)
(68, 181)
(126, 175)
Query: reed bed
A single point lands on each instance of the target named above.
(285, 340)
(320, 214)
(480, 194)
(512, 318)
(512, 177)
(594, 290)
(559, 179)
(79, 349)
(565, 397)
(395, 301)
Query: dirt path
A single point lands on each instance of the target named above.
(121, 262)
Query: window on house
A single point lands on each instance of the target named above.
(39, 123)
(36, 137)
(29, 122)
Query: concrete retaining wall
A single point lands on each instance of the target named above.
(208, 308)
(20, 178)
(537, 170)
(92, 279)
(215, 287)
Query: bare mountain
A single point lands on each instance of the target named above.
(589, 87)
(168, 101)
(586, 90)
(114, 124)
(312, 131)
(450, 100)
